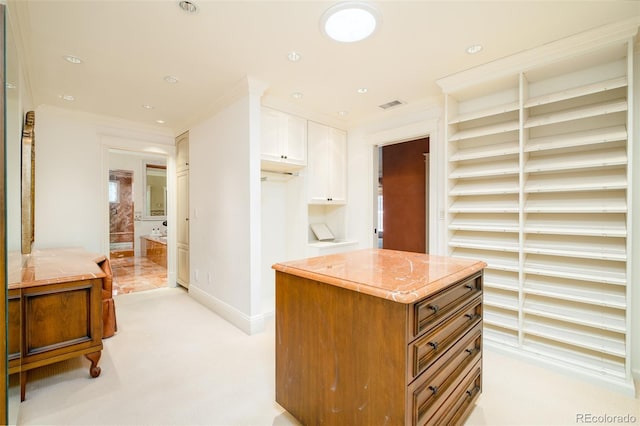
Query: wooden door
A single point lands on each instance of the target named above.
(404, 192)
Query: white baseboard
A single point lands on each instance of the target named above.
(249, 324)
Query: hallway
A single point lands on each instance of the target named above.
(132, 274)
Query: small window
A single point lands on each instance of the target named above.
(114, 191)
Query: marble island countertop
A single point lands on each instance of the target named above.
(51, 266)
(400, 276)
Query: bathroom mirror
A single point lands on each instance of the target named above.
(155, 197)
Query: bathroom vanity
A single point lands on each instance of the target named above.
(55, 309)
(379, 337)
(154, 248)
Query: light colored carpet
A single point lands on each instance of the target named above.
(175, 362)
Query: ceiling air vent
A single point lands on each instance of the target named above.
(391, 104)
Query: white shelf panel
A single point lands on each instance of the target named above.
(493, 332)
(589, 338)
(474, 169)
(500, 185)
(572, 358)
(486, 151)
(507, 300)
(487, 112)
(577, 139)
(577, 202)
(577, 246)
(587, 111)
(501, 318)
(577, 160)
(493, 129)
(484, 222)
(504, 241)
(591, 180)
(588, 89)
(609, 225)
(503, 280)
(501, 261)
(599, 294)
(588, 315)
(487, 204)
(592, 270)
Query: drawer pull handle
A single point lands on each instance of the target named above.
(470, 316)
(434, 308)
(469, 286)
(434, 389)
(434, 345)
(469, 351)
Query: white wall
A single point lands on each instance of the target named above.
(224, 220)
(70, 205)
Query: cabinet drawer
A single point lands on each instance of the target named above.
(426, 350)
(461, 401)
(426, 312)
(429, 392)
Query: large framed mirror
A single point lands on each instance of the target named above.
(155, 196)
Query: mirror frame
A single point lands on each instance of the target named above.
(146, 213)
(28, 182)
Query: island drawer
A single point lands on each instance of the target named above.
(452, 334)
(426, 312)
(433, 401)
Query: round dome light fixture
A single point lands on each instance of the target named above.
(350, 21)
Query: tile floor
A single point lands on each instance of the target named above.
(131, 274)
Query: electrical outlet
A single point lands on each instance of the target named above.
(196, 275)
(137, 215)
(209, 277)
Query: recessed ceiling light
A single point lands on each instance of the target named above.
(343, 113)
(294, 56)
(349, 21)
(68, 98)
(147, 106)
(473, 49)
(171, 79)
(72, 59)
(160, 121)
(362, 90)
(296, 95)
(188, 6)
(9, 85)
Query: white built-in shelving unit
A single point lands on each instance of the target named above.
(539, 187)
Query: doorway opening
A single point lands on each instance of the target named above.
(137, 221)
(403, 196)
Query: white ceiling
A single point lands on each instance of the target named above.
(128, 47)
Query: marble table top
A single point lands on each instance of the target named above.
(50, 266)
(403, 277)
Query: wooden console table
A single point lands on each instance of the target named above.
(379, 337)
(54, 309)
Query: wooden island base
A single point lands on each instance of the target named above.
(379, 337)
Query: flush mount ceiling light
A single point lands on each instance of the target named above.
(362, 90)
(72, 59)
(349, 21)
(188, 6)
(160, 121)
(68, 98)
(294, 56)
(473, 49)
(296, 95)
(171, 79)
(343, 113)
(147, 106)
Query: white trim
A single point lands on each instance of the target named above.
(249, 324)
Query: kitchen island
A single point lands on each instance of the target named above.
(379, 337)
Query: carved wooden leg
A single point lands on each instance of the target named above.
(23, 385)
(94, 357)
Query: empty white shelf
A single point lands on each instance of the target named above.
(488, 204)
(485, 222)
(609, 225)
(589, 89)
(577, 291)
(485, 151)
(577, 160)
(502, 185)
(594, 270)
(485, 241)
(493, 129)
(473, 169)
(577, 246)
(577, 139)
(503, 261)
(587, 111)
(487, 112)
(583, 180)
(501, 300)
(592, 316)
(494, 332)
(503, 280)
(577, 202)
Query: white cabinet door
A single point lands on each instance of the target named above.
(327, 165)
(283, 141)
(182, 152)
(182, 228)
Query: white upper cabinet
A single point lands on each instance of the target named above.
(283, 143)
(327, 169)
